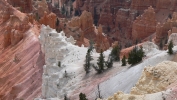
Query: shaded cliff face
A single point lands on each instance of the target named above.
(21, 58)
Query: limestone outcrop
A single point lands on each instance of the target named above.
(144, 25)
(56, 46)
(153, 84)
(156, 79)
(21, 58)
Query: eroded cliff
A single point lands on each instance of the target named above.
(21, 58)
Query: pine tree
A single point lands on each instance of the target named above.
(109, 63)
(82, 96)
(87, 61)
(170, 46)
(59, 64)
(124, 61)
(100, 63)
(136, 55)
(115, 53)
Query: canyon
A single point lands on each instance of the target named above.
(44, 44)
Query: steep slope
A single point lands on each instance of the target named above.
(154, 84)
(21, 58)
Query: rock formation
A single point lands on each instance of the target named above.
(163, 30)
(142, 5)
(25, 5)
(123, 23)
(21, 58)
(106, 19)
(156, 79)
(144, 25)
(152, 84)
(56, 46)
(173, 37)
(40, 7)
(87, 27)
(101, 41)
(49, 19)
(83, 30)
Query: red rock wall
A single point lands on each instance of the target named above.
(21, 58)
(144, 25)
(162, 29)
(25, 5)
(143, 4)
(49, 19)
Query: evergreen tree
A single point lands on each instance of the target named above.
(100, 63)
(82, 96)
(124, 61)
(109, 63)
(87, 61)
(88, 57)
(115, 53)
(59, 64)
(170, 46)
(135, 55)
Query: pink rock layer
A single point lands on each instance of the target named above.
(21, 59)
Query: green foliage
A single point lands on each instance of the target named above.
(115, 53)
(82, 96)
(124, 61)
(87, 60)
(136, 55)
(59, 64)
(170, 46)
(109, 63)
(100, 63)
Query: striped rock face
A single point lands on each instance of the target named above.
(21, 58)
